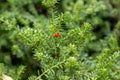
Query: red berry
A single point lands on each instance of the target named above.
(57, 35)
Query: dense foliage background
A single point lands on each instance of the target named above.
(60, 39)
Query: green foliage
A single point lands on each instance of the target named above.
(87, 47)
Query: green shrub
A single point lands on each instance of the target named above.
(60, 39)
